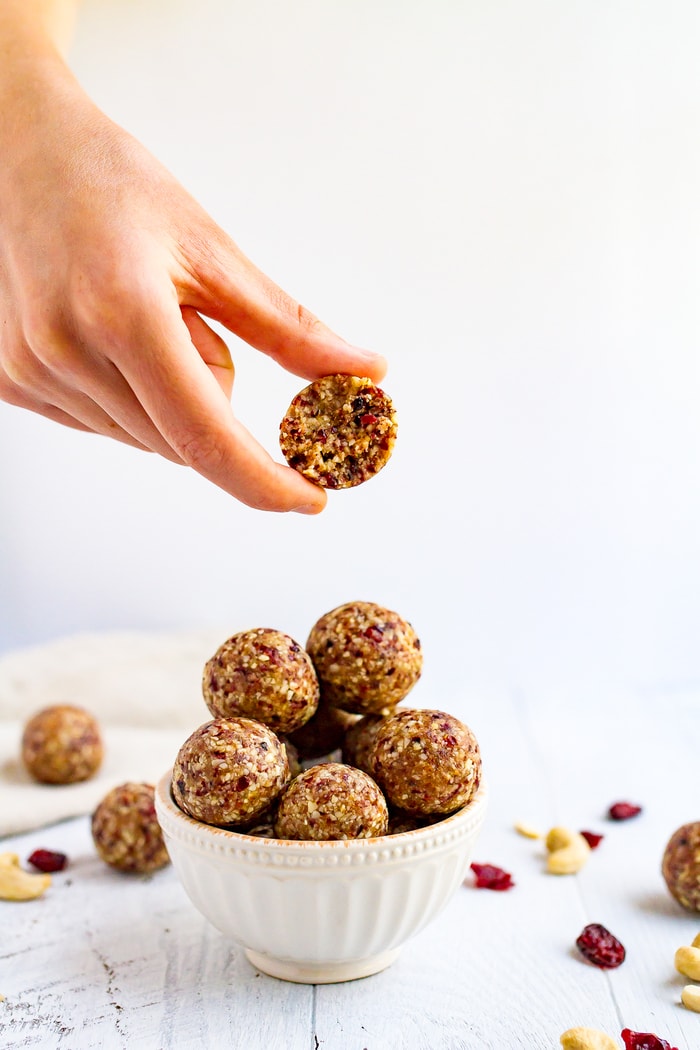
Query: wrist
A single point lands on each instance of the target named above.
(34, 78)
(37, 21)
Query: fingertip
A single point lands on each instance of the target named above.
(376, 367)
(314, 508)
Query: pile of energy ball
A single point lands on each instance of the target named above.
(264, 765)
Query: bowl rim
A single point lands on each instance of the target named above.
(208, 837)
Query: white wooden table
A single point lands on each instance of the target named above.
(110, 961)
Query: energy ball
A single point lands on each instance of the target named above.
(126, 832)
(323, 733)
(426, 762)
(62, 745)
(332, 801)
(681, 865)
(229, 771)
(367, 658)
(359, 741)
(339, 431)
(261, 674)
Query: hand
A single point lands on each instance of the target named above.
(106, 267)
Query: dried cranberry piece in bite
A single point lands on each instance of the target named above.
(489, 877)
(600, 947)
(644, 1041)
(592, 838)
(623, 810)
(47, 860)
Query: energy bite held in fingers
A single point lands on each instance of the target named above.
(229, 771)
(367, 658)
(332, 801)
(262, 674)
(339, 431)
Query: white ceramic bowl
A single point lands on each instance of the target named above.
(319, 912)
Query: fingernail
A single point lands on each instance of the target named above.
(377, 363)
(308, 508)
(371, 355)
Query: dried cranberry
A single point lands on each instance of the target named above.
(623, 810)
(47, 860)
(600, 947)
(489, 877)
(368, 419)
(375, 633)
(644, 1041)
(592, 838)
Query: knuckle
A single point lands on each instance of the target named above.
(47, 348)
(200, 448)
(9, 392)
(307, 321)
(41, 333)
(20, 370)
(308, 324)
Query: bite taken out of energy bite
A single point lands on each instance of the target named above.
(332, 801)
(262, 674)
(229, 771)
(339, 431)
(367, 658)
(426, 762)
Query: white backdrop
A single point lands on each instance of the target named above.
(503, 199)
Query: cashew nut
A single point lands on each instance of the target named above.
(568, 851)
(687, 962)
(558, 838)
(690, 997)
(586, 1039)
(16, 884)
(527, 830)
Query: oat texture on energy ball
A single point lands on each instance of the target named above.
(426, 762)
(62, 745)
(681, 865)
(367, 658)
(339, 431)
(332, 801)
(229, 771)
(261, 674)
(126, 832)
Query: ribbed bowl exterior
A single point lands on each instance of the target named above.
(319, 902)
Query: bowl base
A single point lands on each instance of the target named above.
(320, 973)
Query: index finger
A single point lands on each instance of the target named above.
(188, 407)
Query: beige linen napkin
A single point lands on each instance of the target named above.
(145, 691)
